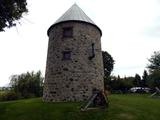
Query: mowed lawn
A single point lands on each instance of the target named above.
(121, 107)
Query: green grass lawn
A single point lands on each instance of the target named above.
(121, 107)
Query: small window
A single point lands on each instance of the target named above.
(92, 52)
(66, 55)
(68, 32)
(93, 49)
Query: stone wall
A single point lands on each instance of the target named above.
(74, 79)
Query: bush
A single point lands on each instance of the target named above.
(8, 95)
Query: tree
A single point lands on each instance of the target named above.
(10, 12)
(144, 78)
(154, 79)
(154, 70)
(108, 63)
(128, 82)
(119, 85)
(137, 81)
(27, 84)
(154, 62)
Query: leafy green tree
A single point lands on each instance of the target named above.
(107, 83)
(27, 84)
(11, 11)
(119, 85)
(108, 63)
(116, 84)
(154, 62)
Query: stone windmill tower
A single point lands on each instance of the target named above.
(74, 63)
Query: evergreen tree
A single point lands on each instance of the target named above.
(144, 79)
(137, 81)
(154, 62)
(154, 70)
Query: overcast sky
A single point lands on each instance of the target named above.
(130, 33)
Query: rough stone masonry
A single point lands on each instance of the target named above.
(74, 62)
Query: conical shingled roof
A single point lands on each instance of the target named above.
(75, 13)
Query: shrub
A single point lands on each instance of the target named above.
(8, 95)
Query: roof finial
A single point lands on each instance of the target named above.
(75, 4)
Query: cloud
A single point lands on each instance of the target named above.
(154, 29)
